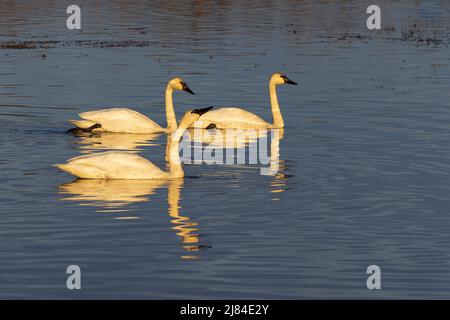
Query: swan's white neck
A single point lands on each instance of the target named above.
(170, 112)
(175, 167)
(277, 117)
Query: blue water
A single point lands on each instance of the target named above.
(364, 170)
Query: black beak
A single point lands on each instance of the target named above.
(201, 111)
(288, 81)
(186, 88)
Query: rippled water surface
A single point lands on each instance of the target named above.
(364, 164)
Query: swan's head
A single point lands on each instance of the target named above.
(191, 116)
(179, 84)
(188, 119)
(279, 78)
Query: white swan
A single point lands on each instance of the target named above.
(120, 165)
(238, 118)
(129, 121)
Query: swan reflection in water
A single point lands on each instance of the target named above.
(262, 143)
(228, 147)
(109, 195)
(115, 196)
(184, 227)
(277, 167)
(226, 138)
(128, 142)
(224, 141)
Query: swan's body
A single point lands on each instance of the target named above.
(129, 121)
(120, 165)
(225, 118)
(112, 165)
(238, 118)
(118, 120)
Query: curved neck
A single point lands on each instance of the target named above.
(277, 117)
(170, 112)
(175, 167)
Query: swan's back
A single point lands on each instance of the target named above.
(112, 165)
(122, 120)
(231, 118)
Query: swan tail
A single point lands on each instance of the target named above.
(82, 171)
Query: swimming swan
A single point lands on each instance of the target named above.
(120, 165)
(238, 118)
(129, 121)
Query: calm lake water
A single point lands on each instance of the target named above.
(364, 160)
